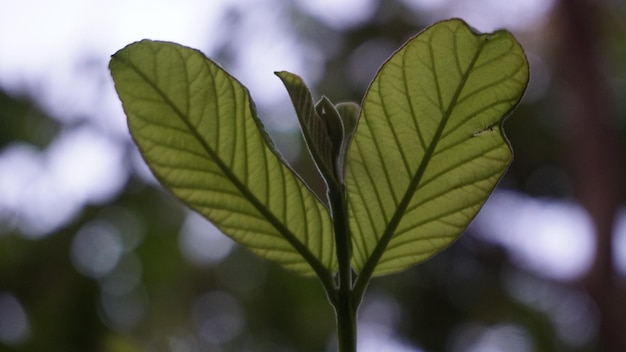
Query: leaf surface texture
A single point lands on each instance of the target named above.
(197, 129)
(429, 147)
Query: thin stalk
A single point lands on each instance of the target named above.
(345, 309)
(346, 323)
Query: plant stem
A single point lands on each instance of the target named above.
(345, 309)
(346, 323)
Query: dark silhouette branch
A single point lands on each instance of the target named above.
(594, 158)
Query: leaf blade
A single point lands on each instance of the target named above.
(313, 127)
(426, 153)
(197, 129)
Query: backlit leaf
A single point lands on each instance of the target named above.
(314, 127)
(429, 147)
(197, 129)
(349, 113)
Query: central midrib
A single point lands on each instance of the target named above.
(315, 264)
(374, 258)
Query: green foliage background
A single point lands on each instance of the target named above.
(463, 286)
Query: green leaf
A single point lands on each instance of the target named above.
(349, 113)
(334, 125)
(314, 128)
(429, 147)
(197, 129)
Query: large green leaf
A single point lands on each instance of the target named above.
(197, 129)
(429, 147)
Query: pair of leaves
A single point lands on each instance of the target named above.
(428, 149)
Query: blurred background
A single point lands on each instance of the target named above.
(96, 256)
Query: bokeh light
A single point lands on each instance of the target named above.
(202, 243)
(14, 326)
(217, 318)
(96, 249)
(498, 338)
(552, 238)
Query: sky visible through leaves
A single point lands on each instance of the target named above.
(61, 59)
